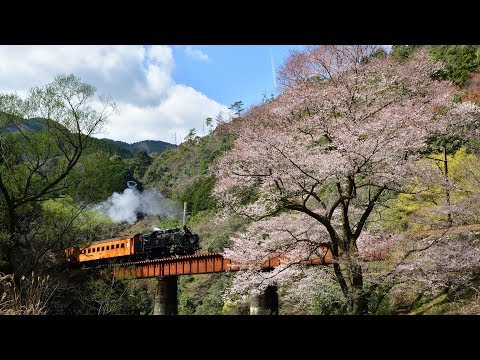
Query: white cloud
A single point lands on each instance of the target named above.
(196, 54)
(152, 106)
(183, 108)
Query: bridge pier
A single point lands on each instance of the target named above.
(265, 303)
(166, 302)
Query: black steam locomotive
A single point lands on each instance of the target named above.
(158, 244)
(170, 242)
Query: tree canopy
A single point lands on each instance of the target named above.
(34, 165)
(341, 138)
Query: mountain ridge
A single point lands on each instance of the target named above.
(149, 146)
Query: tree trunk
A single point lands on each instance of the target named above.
(360, 299)
(11, 237)
(447, 186)
(361, 304)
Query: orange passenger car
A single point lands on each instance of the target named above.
(121, 247)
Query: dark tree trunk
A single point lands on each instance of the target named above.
(12, 222)
(447, 186)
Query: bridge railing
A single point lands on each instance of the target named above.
(201, 264)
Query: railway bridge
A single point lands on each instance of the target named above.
(167, 270)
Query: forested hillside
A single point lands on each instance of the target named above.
(149, 146)
(112, 147)
(384, 158)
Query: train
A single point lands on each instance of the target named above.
(157, 244)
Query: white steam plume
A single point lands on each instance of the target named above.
(126, 206)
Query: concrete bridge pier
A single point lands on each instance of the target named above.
(166, 302)
(266, 303)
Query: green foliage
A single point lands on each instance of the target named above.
(452, 143)
(141, 162)
(61, 224)
(401, 211)
(149, 146)
(460, 61)
(18, 153)
(191, 136)
(403, 52)
(237, 306)
(379, 302)
(101, 294)
(85, 222)
(167, 223)
(174, 171)
(379, 53)
(209, 123)
(418, 210)
(237, 107)
(214, 234)
(97, 176)
(202, 294)
(109, 147)
(38, 154)
(199, 195)
(328, 302)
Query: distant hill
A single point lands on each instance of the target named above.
(108, 146)
(34, 124)
(113, 147)
(148, 146)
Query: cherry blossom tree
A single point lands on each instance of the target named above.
(309, 167)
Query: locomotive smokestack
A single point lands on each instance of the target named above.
(131, 184)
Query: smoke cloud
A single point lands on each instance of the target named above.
(126, 207)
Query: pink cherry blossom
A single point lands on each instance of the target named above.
(309, 167)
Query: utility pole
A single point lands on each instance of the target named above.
(184, 212)
(447, 182)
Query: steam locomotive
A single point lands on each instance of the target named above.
(158, 244)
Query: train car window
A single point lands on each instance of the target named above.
(118, 245)
(103, 248)
(108, 247)
(123, 245)
(93, 249)
(88, 251)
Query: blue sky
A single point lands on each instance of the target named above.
(229, 73)
(161, 91)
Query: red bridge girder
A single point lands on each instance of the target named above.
(197, 264)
